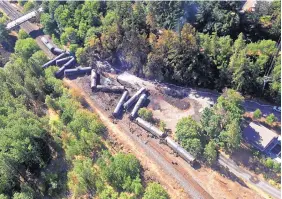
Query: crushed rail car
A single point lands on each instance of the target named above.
(138, 105)
(120, 103)
(134, 98)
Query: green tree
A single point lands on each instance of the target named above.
(269, 163)
(22, 34)
(26, 47)
(277, 167)
(2, 196)
(210, 152)
(154, 190)
(29, 5)
(108, 193)
(69, 36)
(3, 33)
(49, 24)
(82, 177)
(188, 132)
(232, 136)
(270, 119)
(211, 123)
(123, 172)
(257, 114)
(22, 196)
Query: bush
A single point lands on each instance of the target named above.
(269, 163)
(270, 119)
(257, 114)
(146, 114)
(155, 191)
(277, 167)
(162, 126)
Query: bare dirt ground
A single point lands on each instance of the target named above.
(180, 179)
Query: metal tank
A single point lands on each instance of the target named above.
(150, 127)
(134, 98)
(94, 79)
(120, 103)
(53, 61)
(139, 103)
(47, 43)
(179, 150)
(77, 71)
(111, 89)
(57, 51)
(67, 65)
(61, 62)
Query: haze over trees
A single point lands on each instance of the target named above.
(203, 44)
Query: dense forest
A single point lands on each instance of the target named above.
(201, 44)
(51, 146)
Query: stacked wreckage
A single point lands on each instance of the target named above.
(66, 61)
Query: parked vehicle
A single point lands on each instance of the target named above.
(277, 108)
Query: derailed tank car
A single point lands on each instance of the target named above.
(139, 103)
(134, 98)
(61, 62)
(77, 71)
(53, 61)
(47, 43)
(180, 151)
(57, 51)
(68, 65)
(109, 88)
(150, 127)
(120, 103)
(94, 79)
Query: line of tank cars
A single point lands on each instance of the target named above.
(66, 61)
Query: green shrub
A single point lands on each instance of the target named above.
(257, 114)
(269, 163)
(155, 191)
(270, 119)
(146, 114)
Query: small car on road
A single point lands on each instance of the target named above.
(277, 108)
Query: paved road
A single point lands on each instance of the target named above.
(249, 105)
(33, 30)
(246, 175)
